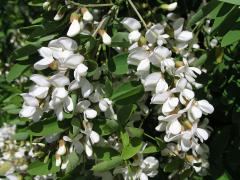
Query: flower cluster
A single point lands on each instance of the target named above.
(15, 155)
(53, 93)
(163, 59)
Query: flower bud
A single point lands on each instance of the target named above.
(105, 37)
(58, 160)
(59, 14)
(47, 6)
(61, 149)
(169, 7)
(75, 26)
(87, 16)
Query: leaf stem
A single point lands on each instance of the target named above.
(138, 14)
(92, 5)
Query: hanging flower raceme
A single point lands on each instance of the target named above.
(180, 112)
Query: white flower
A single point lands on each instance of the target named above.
(91, 138)
(197, 108)
(84, 84)
(136, 56)
(30, 108)
(47, 55)
(74, 28)
(159, 54)
(80, 71)
(40, 90)
(60, 99)
(83, 107)
(149, 167)
(155, 34)
(170, 124)
(188, 72)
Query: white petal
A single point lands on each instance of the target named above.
(103, 105)
(30, 100)
(74, 28)
(206, 107)
(59, 80)
(59, 113)
(160, 98)
(188, 94)
(186, 143)
(88, 149)
(43, 63)
(185, 36)
(131, 24)
(40, 80)
(74, 60)
(87, 16)
(83, 105)
(202, 134)
(38, 91)
(173, 102)
(68, 104)
(45, 52)
(162, 86)
(86, 87)
(178, 26)
(106, 39)
(134, 36)
(95, 138)
(137, 56)
(181, 84)
(65, 43)
(144, 66)
(27, 111)
(80, 71)
(151, 81)
(60, 93)
(90, 113)
(175, 127)
(74, 85)
(196, 112)
(143, 176)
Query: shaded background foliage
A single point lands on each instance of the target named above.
(19, 18)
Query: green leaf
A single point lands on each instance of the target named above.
(120, 62)
(120, 39)
(74, 161)
(125, 138)
(236, 2)
(105, 153)
(125, 112)
(231, 37)
(107, 127)
(135, 132)
(224, 176)
(200, 61)
(151, 149)
(127, 93)
(132, 148)
(16, 71)
(41, 168)
(212, 7)
(108, 87)
(20, 136)
(176, 163)
(161, 144)
(92, 67)
(107, 165)
(47, 127)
